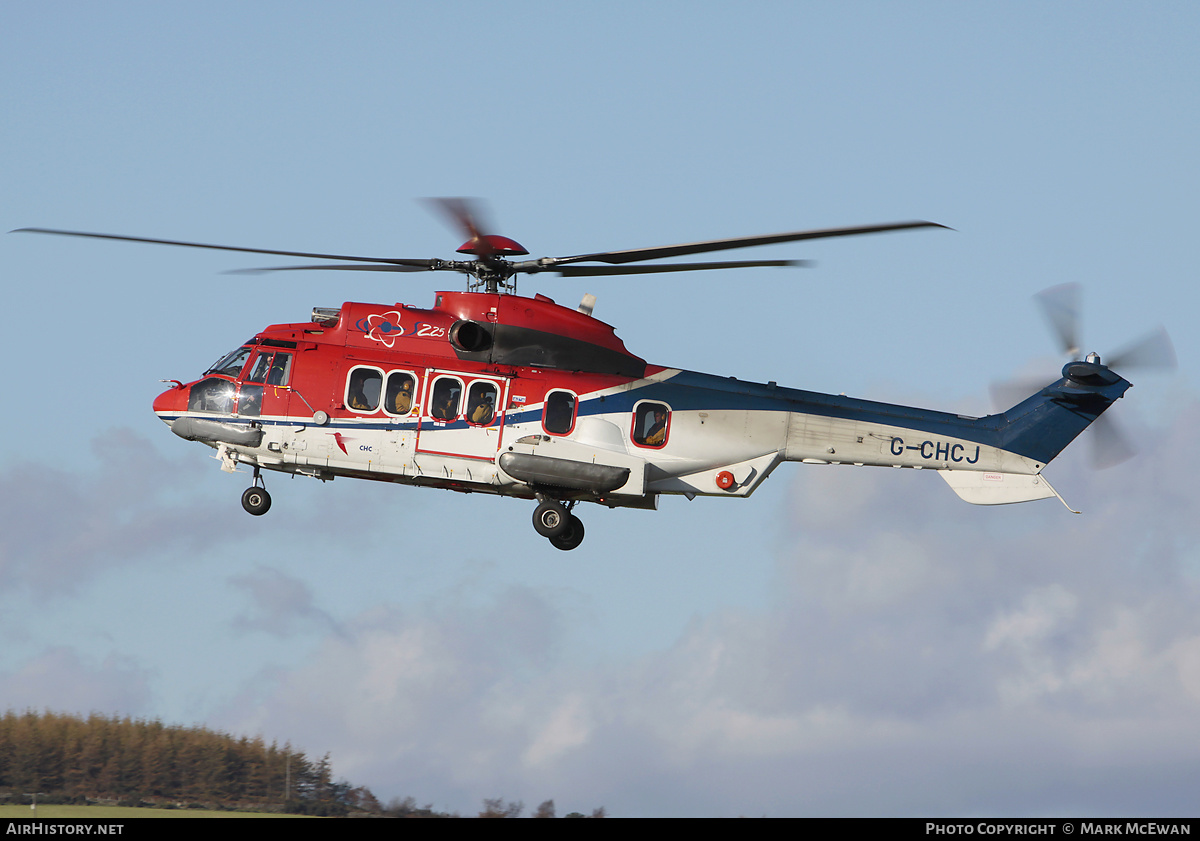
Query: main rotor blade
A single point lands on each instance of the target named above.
(636, 254)
(1060, 305)
(467, 215)
(1152, 352)
(391, 260)
(355, 267)
(587, 271)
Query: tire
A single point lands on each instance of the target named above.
(550, 519)
(570, 538)
(256, 501)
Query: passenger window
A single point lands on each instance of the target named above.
(447, 396)
(211, 395)
(481, 402)
(651, 421)
(401, 393)
(558, 416)
(362, 391)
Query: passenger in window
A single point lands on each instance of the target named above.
(364, 390)
(357, 399)
(656, 435)
(402, 401)
(651, 425)
(446, 409)
(484, 409)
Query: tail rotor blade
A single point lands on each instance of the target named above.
(1152, 352)
(1061, 306)
(1110, 445)
(1009, 393)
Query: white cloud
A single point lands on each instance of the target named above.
(62, 528)
(62, 681)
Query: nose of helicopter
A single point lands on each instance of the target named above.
(171, 402)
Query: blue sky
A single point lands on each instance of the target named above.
(845, 642)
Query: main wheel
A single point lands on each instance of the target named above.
(570, 538)
(256, 501)
(550, 519)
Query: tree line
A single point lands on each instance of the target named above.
(68, 758)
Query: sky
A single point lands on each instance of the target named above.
(845, 642)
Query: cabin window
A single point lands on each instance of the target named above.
(651, 424)
(446, 399)
(231, 363)
(211, 395)
(400, 395)
(482, 398)
(362, 389)
(558, 415)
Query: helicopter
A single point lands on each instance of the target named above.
(488, 391)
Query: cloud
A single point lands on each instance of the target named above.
(920, 656)
(60, 680)
(63, 527)
(283, 605)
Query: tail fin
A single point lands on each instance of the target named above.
(1041, 426)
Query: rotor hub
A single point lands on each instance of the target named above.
(491, 245)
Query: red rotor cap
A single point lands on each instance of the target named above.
(487, 245)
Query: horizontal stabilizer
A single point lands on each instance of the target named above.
(989, 488)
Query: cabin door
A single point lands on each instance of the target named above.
(264, 390)
(462, 415)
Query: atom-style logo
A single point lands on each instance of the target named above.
(384, 328)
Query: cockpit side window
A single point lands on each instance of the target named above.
(558, 415)
(651, 424)
(271, 368)
(362, 389)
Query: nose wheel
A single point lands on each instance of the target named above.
(554, 521)
(255, 499)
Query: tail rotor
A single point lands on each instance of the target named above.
(1061, 307)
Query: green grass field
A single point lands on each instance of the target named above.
(122, 813)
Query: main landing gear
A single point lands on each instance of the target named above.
(256, 500)
(555, 522)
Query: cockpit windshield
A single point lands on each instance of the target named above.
(231, 363)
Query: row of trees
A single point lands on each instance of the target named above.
(70, 758)
(99, 757)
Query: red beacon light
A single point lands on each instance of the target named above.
(490, 245)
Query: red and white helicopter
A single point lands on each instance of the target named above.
(491, 392)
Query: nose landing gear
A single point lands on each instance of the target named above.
(256, 500)
(555, 522)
